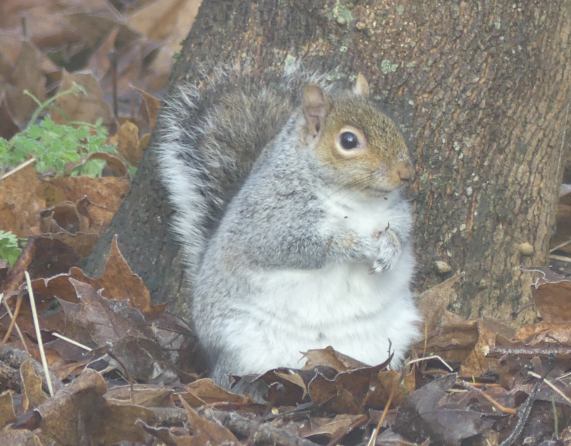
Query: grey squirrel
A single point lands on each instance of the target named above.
(288, 206)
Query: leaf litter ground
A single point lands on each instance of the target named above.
(124, 370)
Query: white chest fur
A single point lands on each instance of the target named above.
(341, 304)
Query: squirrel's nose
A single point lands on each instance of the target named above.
(405, 171)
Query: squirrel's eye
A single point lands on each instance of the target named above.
(348, 140)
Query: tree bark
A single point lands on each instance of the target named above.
(480, 89)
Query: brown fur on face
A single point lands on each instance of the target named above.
(382, 164)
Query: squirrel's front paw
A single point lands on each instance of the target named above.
(389, 249)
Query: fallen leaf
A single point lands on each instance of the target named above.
(204, 391)
(167, 21)
(346, 392)
(33, 395)
(433, 302)
(128, 143)
(64, 217)
(7, 413)
(145, 395)
(96, 198)
(52, 257)
(114, 166)
(545, 333)
(151, 106)
(330, 358)
(337, 427)
(552, 294)
(477, 363)
(26, 75)
(8, 126)
(120, 282)
(422, 416)
(77, 411)
(205, 431)
(119, 423)
(20, 204)
(88, 107)
(98, 321)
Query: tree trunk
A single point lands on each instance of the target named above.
(480, 89)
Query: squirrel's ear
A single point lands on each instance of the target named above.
(314, 109)
(361, 87)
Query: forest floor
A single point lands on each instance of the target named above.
(80, 89)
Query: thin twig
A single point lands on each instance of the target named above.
(560, 258)
(550, 384)
(71, 341)
(39, 334)
(523, 415)
(427, 358)
(560, 245)
(493, 402)
(377, 429)
(558, 351)
(13, 318)
(359, 421)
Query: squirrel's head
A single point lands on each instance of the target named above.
(361, 146)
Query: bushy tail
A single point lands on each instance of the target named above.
(210, 134)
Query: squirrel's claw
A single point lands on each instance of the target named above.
(389, 251)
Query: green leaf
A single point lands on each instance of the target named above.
(9, 249)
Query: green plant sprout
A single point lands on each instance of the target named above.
(55, 146)
(9, 249)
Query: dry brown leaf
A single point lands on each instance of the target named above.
(98, 321)
(76, 411)
(331, 358)
(171, 29)
(94, 20)
(433, 302)
(114, 166)
(7, 413)
(119, 423)
(128, 143)
(87, 107)
(64, 217)
(8, 127)
(454, 340)
(120, 282)
(204, 391)
(337, 427)
(20, 202)
(159, 20)
(347, 392)
(123, 331)
(100, 61)
(145, 395)
(52, 257)
(476, 364)
(553, 297)
(33, 394)
(563, 225)
(545, 332)
(26, 75)
(45, 21)
(427, 413)
(19, 437)
(59, 285)
(144, 142)
(150, 107)
(81, 243)
(97, 198)
(205, 431)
